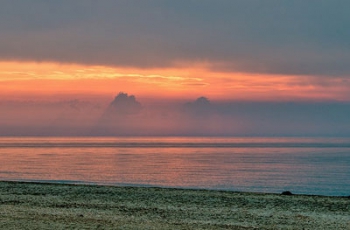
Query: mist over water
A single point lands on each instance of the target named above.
(128, 116)
(301, 165)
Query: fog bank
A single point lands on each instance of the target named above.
(127, 116)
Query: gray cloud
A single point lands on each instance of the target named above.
(286, 37)
(123, 104)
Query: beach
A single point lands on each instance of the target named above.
(65, 206)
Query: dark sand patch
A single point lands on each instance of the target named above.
(59, 206)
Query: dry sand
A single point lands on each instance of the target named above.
(58, 206)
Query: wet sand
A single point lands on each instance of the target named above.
(62, 206)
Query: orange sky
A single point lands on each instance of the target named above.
(266, 67)
(44, 79)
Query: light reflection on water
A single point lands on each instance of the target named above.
(260, 164)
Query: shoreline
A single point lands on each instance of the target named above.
(84, 183)
(38, 205)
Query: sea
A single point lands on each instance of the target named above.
(315, 166)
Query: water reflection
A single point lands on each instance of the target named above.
(313, 170)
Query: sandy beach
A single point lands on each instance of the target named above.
(62, 206)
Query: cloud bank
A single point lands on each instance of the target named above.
(283, 37)
(126, 116)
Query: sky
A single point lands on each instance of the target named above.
(67, 61)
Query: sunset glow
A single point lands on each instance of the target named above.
(174, 68)
(23, 78)
(238, 95)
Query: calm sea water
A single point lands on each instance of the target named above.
(301, 165)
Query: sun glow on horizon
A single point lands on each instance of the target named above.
(46, 78)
